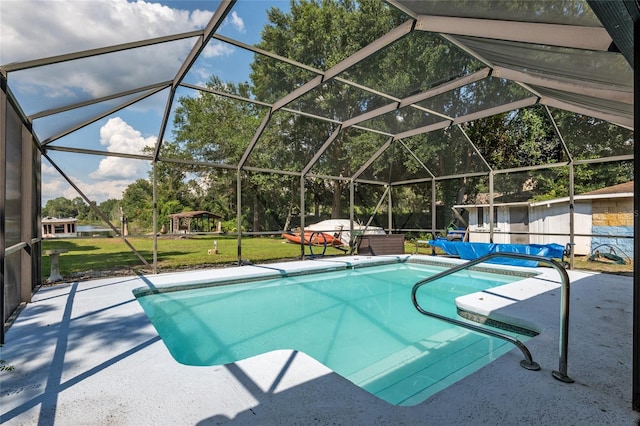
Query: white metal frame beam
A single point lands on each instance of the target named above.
(571, 36)
(609, 94)
(497, 110)
(53, 111)
(340, 67)
(216, 20)
(18, 66)
(104, 114)
(626, 122)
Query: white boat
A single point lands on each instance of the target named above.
(341, 228)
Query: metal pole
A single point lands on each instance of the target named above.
(3, 176)
(636, 225)
(572, 222)
(239, 214)
(155, 217)
(387, 189)
(352, 197)
(27, 229)
(302, 215)
(390, 213)
(433, 209)
(491, 206)
(93, 207)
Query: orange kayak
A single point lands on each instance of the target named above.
(314, 238)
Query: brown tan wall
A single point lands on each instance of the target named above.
(612, 221)
(612, 212)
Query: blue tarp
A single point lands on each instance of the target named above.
(471, 251)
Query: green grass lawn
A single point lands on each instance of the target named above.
(88, 255)
(94, 257)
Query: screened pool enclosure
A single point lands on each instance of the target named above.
(387, 113)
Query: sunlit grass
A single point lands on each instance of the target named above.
(113, 254)
(90, 257)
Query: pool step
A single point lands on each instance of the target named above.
(439, 375)
(427, 366)
(409, 355)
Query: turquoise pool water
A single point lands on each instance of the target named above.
(359, 322)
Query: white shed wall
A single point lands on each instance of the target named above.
(479, 232)
(554, 219)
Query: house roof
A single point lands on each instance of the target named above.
(58, 220)
(623, 188)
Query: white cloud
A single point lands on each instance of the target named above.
(103, 191)
(32, 29)
(118, 136)
(54, 186)
(237, 22)
(200, 18)
(215, 48)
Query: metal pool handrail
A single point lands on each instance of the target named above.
(561, 373)
(324, 237)
(527, 362)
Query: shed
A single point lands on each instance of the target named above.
(603, 216)
(195, 221)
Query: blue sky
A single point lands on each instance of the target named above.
(33, 29)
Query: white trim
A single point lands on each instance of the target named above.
(584, 197)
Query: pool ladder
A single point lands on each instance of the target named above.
(527, 362)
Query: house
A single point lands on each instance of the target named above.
(53, 227)
(601, 217)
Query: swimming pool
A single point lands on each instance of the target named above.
(360, 322)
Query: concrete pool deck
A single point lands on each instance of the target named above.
(85, 354)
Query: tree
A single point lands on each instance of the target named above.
(214, 129)
(81, 207)
(111, 209)
(517, 139)
(217, 129)
(62, 207)
(319, 34)
(137, 204)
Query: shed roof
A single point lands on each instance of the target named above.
(623, 188)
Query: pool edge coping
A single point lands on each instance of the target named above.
(280, 270)
(251, 273)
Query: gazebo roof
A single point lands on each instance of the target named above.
(200, 214)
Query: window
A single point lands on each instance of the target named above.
(480, 218)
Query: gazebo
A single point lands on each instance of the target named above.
(195, 221)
